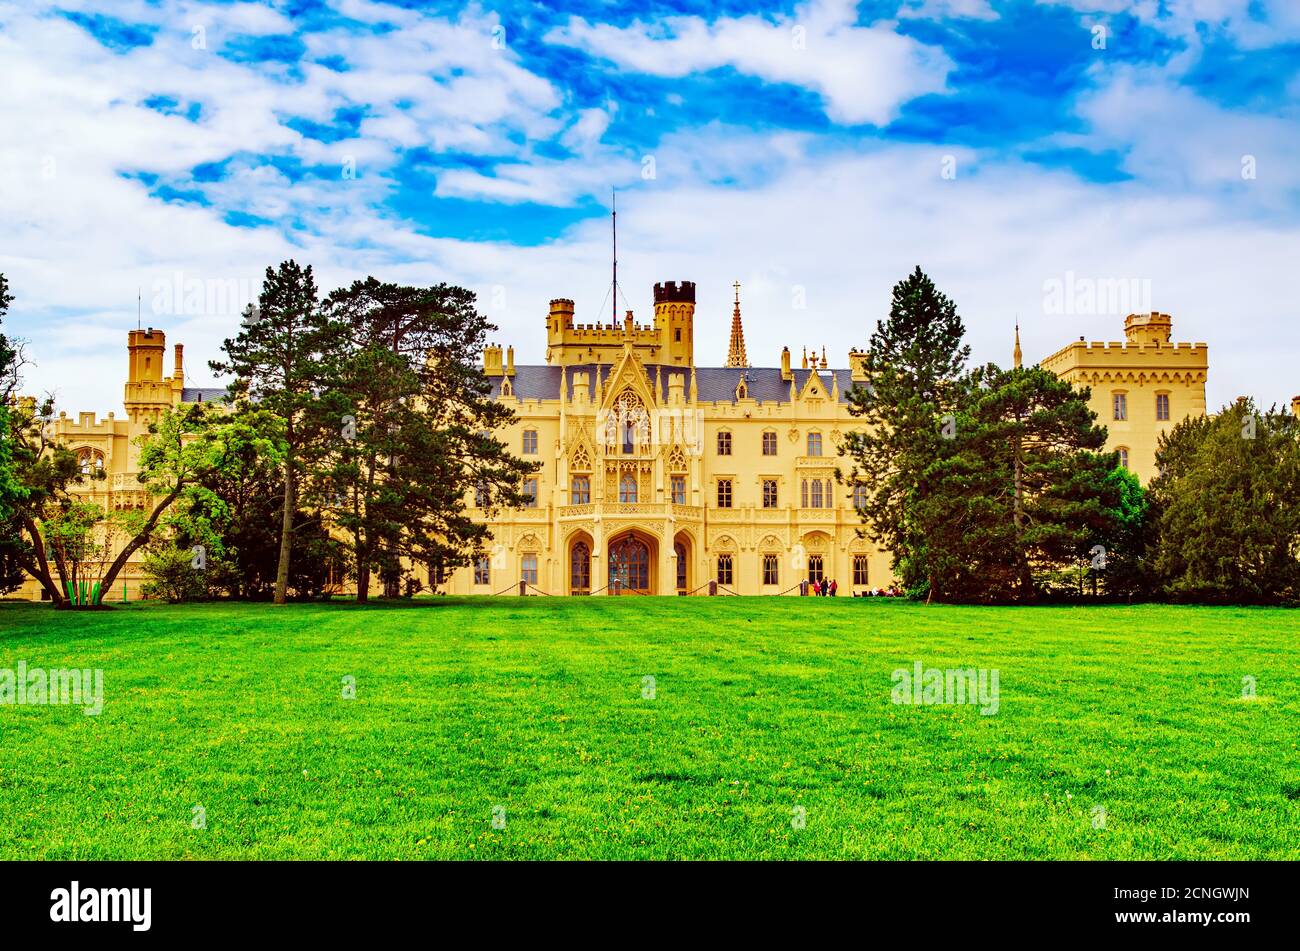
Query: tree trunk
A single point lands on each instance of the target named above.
(42, 574)
(1018, 517)
(363, 573)
(286, 532)
(141, 537)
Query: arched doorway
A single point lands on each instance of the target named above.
(580, 565)
(682, 548)
(629, 564)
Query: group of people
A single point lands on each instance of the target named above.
(827, 587)
(893, 591)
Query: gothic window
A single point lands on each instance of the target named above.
(677, 460)
(679, 490)
(769, 443)
(528, 568)
(814, 444)
(771, 570)
(580, 490)
(530, 442)
(481, 496)
(1162, 406)
(530, 490)
(580, 569)
(815, 496)
(627, 489)
(90, 460)
(629, 563)
(859, 496)
(724, 569)
(724, 443)
(581, 461)
(1123, 456)
(859, 570)
(815, 573)
(482, 569)
(680, 551)
(769, 493)
(1119, 406)
(724, 493)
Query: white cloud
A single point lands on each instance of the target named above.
(863, 74)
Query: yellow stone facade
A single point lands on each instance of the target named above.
(665, 476)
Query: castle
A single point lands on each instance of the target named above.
(658, 476)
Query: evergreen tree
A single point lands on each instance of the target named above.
(1227, 504)
(284, 360)
(914, 362)
(1022, 493)
(419, 417)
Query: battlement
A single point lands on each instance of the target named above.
(678, 292)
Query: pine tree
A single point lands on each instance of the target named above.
(913, 365)
(421, 418)
(284, 360)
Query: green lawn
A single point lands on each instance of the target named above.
(534, 708)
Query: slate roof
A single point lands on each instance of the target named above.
(203, 394)
(715, 384)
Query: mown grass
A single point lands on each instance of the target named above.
(535, 707)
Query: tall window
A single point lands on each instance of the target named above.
(530, 490)
(815, 496)
(724, 444)
(769, 493)
(724, 493)
(830, 494)
(724, 569)
(580, 569)
(528, 568)
(530, 442)
(580, 490)
(680, 551)
(769, 443)
(803, 494)
(679, 490)
(771, 569)
(859, 569)
(481, 496)
(1162, 406)
(1120, 406)
(1123, 456)
(814, 567)
(859, 496)
(814, 444)
(627, 488)
(482, 569)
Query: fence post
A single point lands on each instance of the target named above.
(803, 588)
(523, 588)
(713, 586)
(616, 583)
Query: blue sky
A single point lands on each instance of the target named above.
(815, 151)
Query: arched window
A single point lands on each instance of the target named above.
(815, 499)
(580, 490)
(90, 460)
(627, 488)
(629, 563)
(814, 444)
(1123, 456)
(680, 550)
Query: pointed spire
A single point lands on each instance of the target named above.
(564, 385)
(835, 388)
(736, 350)
(823, 358)
(1016, 357)
(659, 387)
(695, 393)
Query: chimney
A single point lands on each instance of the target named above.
(179, 371)
(786, 372)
